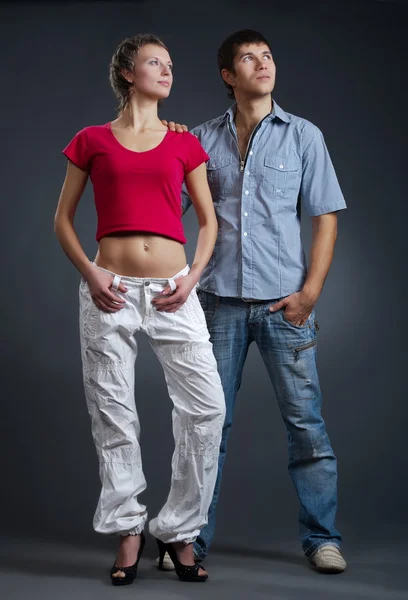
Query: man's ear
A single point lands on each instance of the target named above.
(228, 77)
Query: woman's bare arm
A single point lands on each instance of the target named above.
(199, 191)
(71, 193)
(99, 282)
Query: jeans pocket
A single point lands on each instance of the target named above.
(304, 347)
(308, 324)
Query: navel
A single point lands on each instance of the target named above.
(145, 247)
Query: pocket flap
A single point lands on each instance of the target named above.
(218, 161)
(282, 163)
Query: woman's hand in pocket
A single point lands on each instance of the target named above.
(100, 288)
(169, 301)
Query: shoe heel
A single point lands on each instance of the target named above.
(162, 552)
(184, 572)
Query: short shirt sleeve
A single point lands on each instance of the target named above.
(320, 190)
(77, 150)
(195, 153)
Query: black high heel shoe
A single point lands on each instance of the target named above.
(185, 572)
(130, 572)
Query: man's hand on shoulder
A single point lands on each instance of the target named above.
(175, 126)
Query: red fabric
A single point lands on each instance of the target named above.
(136, 191)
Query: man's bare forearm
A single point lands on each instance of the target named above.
(324, 234)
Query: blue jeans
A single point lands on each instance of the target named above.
(289, 355)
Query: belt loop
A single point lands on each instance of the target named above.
(115, 282)
(172, 284)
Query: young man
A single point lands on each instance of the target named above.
(257, 287)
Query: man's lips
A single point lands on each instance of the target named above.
(165, 83)
(264, 77)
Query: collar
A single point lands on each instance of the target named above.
(277, 111)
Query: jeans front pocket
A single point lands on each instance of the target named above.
(308, 324)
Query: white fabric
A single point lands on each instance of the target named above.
(172, 284)
(115, 282)
(181, 343)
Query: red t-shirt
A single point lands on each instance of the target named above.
(136, 191)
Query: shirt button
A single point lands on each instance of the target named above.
(251, 153)
(278, 190)
(246, 192)
(245, 233)
(281, 166)
(245, 214)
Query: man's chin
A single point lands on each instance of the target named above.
(260, 93)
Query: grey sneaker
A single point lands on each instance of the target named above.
(167, 563)
(328, 559)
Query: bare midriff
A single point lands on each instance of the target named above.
(141, 255)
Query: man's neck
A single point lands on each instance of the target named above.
(250, 112)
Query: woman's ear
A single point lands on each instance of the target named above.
(127, 75)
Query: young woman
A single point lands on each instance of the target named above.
(139, 281)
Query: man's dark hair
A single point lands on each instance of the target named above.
(229, 49)
(122, 59)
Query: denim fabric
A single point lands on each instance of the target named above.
(289, 354)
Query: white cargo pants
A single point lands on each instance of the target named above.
(181, 343)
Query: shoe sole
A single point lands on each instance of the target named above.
(328, 571)
(122, 582)
(168, 569)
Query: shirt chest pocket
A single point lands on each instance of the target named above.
(219, 176)
(281, 174)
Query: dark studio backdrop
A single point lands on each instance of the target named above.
(342, 65)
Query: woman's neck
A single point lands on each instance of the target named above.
(140, 114)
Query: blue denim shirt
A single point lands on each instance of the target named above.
(258, 253)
